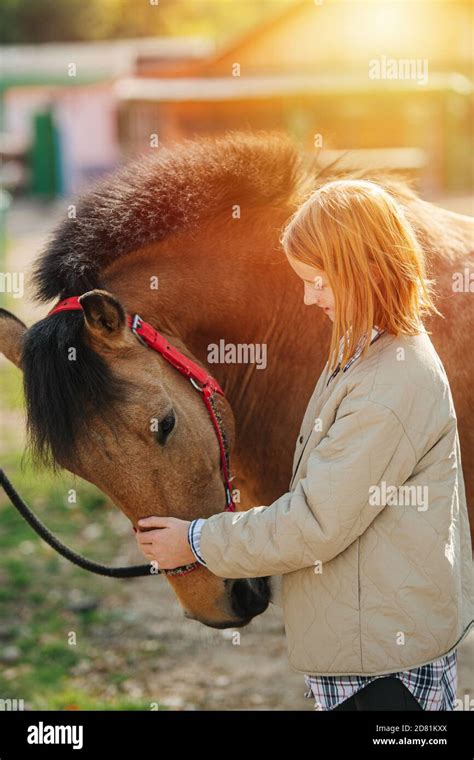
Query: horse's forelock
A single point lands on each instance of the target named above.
(65, 382)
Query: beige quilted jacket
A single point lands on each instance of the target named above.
(369, 551)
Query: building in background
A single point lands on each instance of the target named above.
(334, 75)
(375, 83)
(58, 107)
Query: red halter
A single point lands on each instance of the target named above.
(198, 377)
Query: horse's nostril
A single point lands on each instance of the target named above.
(249, 596)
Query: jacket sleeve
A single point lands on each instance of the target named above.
(329, 508)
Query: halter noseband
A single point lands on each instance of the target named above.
(199, 379)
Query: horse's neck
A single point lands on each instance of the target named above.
(260, 305)
(266, 318)
(446, 235)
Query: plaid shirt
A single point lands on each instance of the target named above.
(194, 536)
(433, 685)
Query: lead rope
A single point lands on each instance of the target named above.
(134, 571)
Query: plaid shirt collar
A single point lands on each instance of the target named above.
(360, 345)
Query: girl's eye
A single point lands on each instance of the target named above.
(165, 427)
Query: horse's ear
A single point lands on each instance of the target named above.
(105, 317)
(12, 331)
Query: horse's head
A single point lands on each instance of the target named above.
(107, 408)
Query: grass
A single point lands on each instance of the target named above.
(11, 386)
(56, 654)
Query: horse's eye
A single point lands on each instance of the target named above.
(165, 427)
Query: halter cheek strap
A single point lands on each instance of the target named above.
(201, 380)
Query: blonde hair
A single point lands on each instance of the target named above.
(357, 234)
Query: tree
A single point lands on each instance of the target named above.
(32, 21)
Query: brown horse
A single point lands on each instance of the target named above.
(190, 241)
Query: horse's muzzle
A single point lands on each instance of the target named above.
(249, 596)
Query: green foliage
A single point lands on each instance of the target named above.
(45, 20)
(29, 21)
(11, 386)
(71, 699)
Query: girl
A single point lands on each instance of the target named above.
(371, 545)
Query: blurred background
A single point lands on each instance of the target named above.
(85, 85)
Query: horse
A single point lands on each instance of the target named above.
(189, 239)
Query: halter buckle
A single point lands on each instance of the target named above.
(136, 324)
(199, 388)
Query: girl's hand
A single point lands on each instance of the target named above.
(168, 545)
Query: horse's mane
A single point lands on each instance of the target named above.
(156, 196)
(148, 200)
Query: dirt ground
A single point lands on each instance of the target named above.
(203, 669)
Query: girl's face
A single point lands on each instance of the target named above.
(316, 287)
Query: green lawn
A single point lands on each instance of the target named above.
(61, 645)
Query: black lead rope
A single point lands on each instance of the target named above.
(134, 571)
